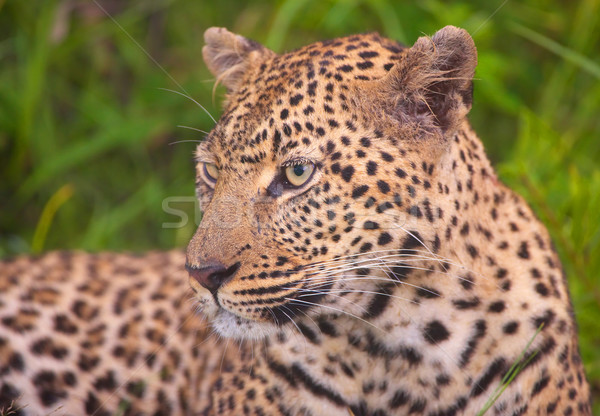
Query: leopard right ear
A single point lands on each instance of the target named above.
(432, 85)
(229, 56)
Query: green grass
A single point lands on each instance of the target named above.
(519, 365)
(85, 159)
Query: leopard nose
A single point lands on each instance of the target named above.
(213, 275)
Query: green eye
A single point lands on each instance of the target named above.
(298, 175)
(211, 172)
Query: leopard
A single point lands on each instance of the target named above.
(357, 255)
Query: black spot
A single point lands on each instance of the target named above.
(442, 379)
(347, 173)
(93, 405)
(276, 140)
(63, 324)
(546, 319)
(541, 385)
(345, 68)
(412, 240)
(106, 382)
(417, 407)
(251, 394)
(397, 200)
(359, 191)
(16, 361)
(501, 272)
(379, 302)
(384, 207)
(308, 333)
(296, 99)
(436, 244)
(368, 54)
(69, 378)
(463, 304)
(366, 247)
(370, 225)
(284, 114)
(400, 398)
(387, 157)
(510, 327)
(371, 168)
(327, 328)
(472, 250)
(400, 173)
(365, 142)
(308, 109)
(427, 292)
(87, 362)
(136, 388)
(435, 332)
(523, 250)
(364, 65)
(383, 186)
(495, 369)
(497, 306)
(384, 238)
(542, 289)
(48, 388)
(415, 211)
(480, 329)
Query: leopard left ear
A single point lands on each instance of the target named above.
(432, 85)
(230, 56)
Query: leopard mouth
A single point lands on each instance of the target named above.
(278, 305)
(256, 312)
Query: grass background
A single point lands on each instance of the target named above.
(85, 128)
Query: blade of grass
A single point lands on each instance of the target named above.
(280, 27)
(54, 203)
(582, 61)
(34, 55)
(389, 19)
(512, 372)
(112, 223)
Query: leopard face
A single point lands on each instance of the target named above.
(321, 181)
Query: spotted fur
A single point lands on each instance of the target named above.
(401, 278)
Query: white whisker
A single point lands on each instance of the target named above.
(191, 99)
(192, 128)
(185, 141)
(291, 300)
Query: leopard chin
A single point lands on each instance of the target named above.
(229, 325)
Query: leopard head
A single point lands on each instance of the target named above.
(326, 162)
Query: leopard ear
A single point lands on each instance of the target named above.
(432, 85)
(228, 56)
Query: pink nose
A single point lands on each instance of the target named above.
(213, 275)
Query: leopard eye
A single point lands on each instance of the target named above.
(298, 175)
(211, 172)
